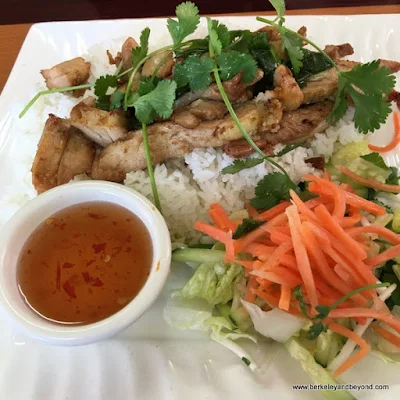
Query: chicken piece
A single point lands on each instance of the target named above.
(126, 53)
(169, 140)
(102, 127)
(73, 72)
(287, 91)
(320, 86)
(346, 65)
(165, 68)
(301, 124)
(49, 153)
(316, 162)
(185, 119)
(337, 52)
(235, 89)
(241, 148)
(208, 110)
(77, 157)
(395, 97)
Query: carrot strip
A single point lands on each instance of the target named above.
(274, 211)
(301, 206)
(340, 203)
(389, 336)
(396, 137)
(252, 212)
(279, 237)
(300, 252)
(289, 261)
(383, 316)
(326, 175)
(245, 263)
(351, 198)
(384, 256)
(312, 203)
(379, 230)
(220, 218)
(229, 248)
(274, 302)
(276, 255)
(256, 249)
(370, 182)
(280, 275)
(355, 358)
(212, 231)
(284, 301)
(335, 229)
(244, 241)
(251, 284)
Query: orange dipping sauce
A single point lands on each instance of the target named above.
(85, 263)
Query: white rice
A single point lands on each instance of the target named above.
(186, 186)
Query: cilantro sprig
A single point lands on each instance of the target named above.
(318, 325)
(367, 84)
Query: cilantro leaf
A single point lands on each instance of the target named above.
(140, 52)
(298, 295)
(195, 72)
(146, 85)
(393, 178)
(117, 99)
(188, 19)
(248, 225)
(246, 361)
(316, 329)
(285, 150)
(294, 48)
(103, 83)
(222, 32)
(367, 85)
(279, 6)
(239, 165)
(159, 102)
(213, 38)
(272, 189)
(376, 158)
(103, 102)
(231, 63)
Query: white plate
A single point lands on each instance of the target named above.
(150, 360)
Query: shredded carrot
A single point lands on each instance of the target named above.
(301, 254)
(279, 237)
(354, 358)
(379, 230)
(212, 231)
(383, 316)
(274, 211)
(257, 249)
(370, 182)
(280, 275)
(274, 258)
(396, 137)
(326, 175)
(389, 336)
(252, 283)
(252, 212)
(384, 256)
(284, 300)
(220, 218)
(246, 263)
(302, 207)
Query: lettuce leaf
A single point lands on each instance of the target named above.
(317, 373)
(213, 283)
(275, 324)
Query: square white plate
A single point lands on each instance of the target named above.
(150, 360)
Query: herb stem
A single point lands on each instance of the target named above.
(311, 43)
(50, 91)
(159, 65)
(150, 167)
(356, 291)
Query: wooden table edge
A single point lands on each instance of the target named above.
(12, 36)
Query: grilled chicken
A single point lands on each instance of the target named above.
(336, 52)
(199, 110)
(102, 127)
(77, 157)
(236, 91)
(295, 126)
(68, 73)
(170, 140)
(166, 67)
(287, 90)
(49, 153)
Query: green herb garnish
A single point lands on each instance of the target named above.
(247, 226)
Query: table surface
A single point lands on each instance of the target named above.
(12, 36)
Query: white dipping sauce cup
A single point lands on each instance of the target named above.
(28, 218)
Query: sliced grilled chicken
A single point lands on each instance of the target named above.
(165, 68)
(49, 153)
(287, 90)
(170, 140)
(336, 52)
(77, 157)
(68, 73)
(102, 127)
